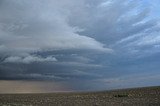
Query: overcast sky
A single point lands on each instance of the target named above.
(86, 44)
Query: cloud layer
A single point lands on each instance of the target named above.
(28, 59)
(26, 28)
(84, 40)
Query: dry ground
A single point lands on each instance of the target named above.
(149, 96)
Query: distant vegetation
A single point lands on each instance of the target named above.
(121, 95)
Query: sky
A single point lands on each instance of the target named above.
(85, 45)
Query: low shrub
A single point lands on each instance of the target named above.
(121, 95)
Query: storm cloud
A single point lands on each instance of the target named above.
(86, 40)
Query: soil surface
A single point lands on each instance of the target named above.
(149, 96)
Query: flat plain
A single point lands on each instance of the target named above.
(148, 96)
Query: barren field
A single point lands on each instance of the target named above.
(149, 96)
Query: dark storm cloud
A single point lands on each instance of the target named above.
(40, 27)
(83, 40)
(31, 28)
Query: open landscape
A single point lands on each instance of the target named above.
(148, 96)
(79, 53)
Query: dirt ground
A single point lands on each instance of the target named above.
(149, 96)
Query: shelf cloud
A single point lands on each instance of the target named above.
(85, 40)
